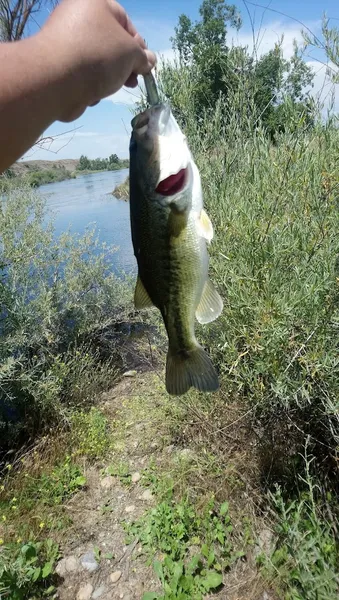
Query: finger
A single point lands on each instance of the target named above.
(132, 81)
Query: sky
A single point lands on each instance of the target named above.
(105, 128)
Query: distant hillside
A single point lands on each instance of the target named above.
(25, 166)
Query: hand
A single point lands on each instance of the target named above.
(96, 49)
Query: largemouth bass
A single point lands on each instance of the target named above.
(170, 230)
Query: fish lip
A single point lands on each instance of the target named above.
(157, 110)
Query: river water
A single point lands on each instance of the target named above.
(87, 201)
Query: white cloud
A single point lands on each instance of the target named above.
(264, 39)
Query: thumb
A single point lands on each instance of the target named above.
(144, 61)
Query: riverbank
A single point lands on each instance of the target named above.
(121, 191)
(42, 172)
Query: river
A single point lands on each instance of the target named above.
(87, 200)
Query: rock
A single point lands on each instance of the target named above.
(147, 495)
(114, 577)
(264, 543)
(107, 482)
(85, 591)
(89, 562)
(186, 454)
(136, 477)
(67, 565)
(99, 592)
(130, 509)
(130, 374)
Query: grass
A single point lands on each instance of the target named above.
(121, 191)
(195, 547)
(33, 492)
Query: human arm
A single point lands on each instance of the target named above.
(87, 50)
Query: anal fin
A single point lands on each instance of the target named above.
(210, 305)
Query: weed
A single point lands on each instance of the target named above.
(196, 546)
(305, 561)
(90, 433)
(26, 570)
(120, 470)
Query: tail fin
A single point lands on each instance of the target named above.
(190, 368)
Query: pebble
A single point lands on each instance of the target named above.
(130, 509)
(85, 592)
(66, 565)
(89, 562)
(130, 374)
(114, 577)
(99, 592)
(136, 477)
(147, 495)
(107, 482)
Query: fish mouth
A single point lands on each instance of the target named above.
(173, 184)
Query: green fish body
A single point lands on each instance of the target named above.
(170, 231)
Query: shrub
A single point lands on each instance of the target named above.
(56, 294)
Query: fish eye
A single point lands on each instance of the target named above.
(141, 123)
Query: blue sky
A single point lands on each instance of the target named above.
(105, 128)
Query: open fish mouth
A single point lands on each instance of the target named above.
(173, 184)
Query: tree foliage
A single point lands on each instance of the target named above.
(112, 163)
(214, 68)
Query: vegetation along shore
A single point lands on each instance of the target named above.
(40, 172)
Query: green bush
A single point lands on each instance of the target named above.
(36, 178)
(26, 569)
(56, 296)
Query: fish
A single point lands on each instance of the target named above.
(170, 231)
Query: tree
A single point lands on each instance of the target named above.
(16, 15)
(113, 159)
(84, 163)
(209, 69)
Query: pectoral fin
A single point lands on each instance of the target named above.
(205, 226)
(210, 305)
(141, 297)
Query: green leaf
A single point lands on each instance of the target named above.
(193, 564)
(80, 481)
(36, 574)
(47, 569)
(29, 551)
(49, 590)
(224, 508)
(212, 580)
(157, 566)
(211, 558)
(150, 596)
(205, 550)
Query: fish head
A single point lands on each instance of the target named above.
(161, 157)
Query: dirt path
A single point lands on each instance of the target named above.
(97, 561)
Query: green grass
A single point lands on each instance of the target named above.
(33, 492)
(190, 548)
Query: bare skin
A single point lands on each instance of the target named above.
(87, 50)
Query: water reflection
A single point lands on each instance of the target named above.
(77, 203)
